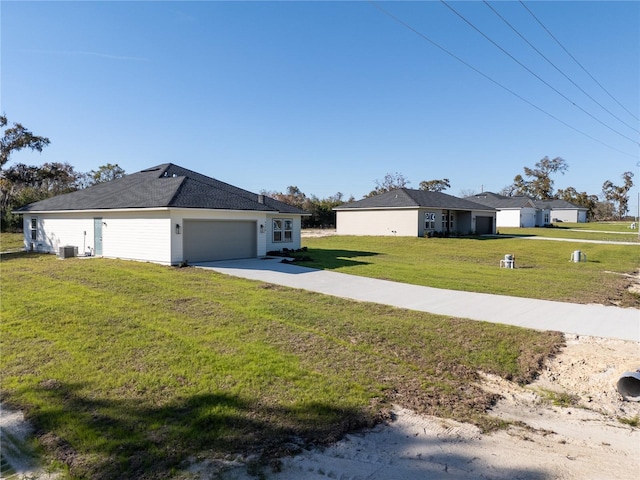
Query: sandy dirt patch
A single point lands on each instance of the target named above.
(317, 232)
(583, 440)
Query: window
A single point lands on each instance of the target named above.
(430, 221)
(282, 230)
(444, 222)
(34, 229)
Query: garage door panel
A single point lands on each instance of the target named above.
(209, 240)
(484, 225)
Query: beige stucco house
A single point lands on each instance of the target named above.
(414, 213)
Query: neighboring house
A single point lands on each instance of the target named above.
(563, 211)
(525, 212)
(519, 211)
(165, 214)
(414, 213)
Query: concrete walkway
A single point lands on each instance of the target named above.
(595, 320)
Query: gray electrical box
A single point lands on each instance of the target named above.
(67, 251)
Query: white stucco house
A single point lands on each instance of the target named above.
(563, 211)
(165, 214)
(517, 211)
(414, 213)
(525, 212)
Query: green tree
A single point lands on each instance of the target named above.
(581, 199)
(619, 194)
(293, 196)
(22, 184)
(105, 173)
(435, 185)
(538, 183)
(17, 138)
(321, 210)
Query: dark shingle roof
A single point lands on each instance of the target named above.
(166, 185)
(501, 201)
(408, 198)
(558, 205)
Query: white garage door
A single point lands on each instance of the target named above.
(209, 240)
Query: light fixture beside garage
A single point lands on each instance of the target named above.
(261, 228)
(177, 229)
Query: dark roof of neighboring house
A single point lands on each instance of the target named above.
(558, 205)
(408, 198)
(498, 201)
(165, 185)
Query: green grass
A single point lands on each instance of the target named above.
(618, 226)
(543, 270)
(129, 369)
(11, 242)
(559, 399)
(606, 231)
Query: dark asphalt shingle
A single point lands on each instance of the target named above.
(409, 198)
(495, 200)
(498, 201)
(165, 185)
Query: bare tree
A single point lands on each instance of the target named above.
(391, 181)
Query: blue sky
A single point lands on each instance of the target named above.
(328, 96)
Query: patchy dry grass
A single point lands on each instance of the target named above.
(127, 369)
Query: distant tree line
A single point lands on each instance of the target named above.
(537, 183)
(320, 209)
(22, 184)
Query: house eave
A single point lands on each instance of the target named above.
(153, 209)
(415, 207)
(92, 210)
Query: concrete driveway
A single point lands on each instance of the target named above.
(595, 320)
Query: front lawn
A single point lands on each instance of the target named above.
(606, 231)
(543, 267)
(131, 370)
(11, 242)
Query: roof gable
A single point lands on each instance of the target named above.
(165, 185)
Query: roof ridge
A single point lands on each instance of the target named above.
(408, 192)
